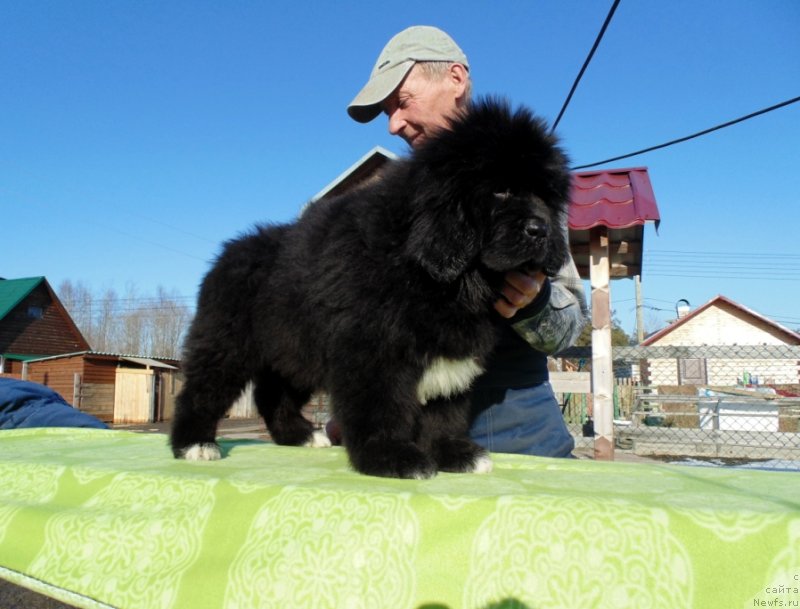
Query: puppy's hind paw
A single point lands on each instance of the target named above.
(318, 439)
(462, 456)
(393, 460)
(202, 452)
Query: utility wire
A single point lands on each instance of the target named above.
(586, 63)
(694, 135)
(726, 254)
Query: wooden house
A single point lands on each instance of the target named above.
(33, 323)
(40, 342)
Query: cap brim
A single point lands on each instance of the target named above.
(367, 104)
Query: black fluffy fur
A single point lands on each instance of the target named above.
(365, 290)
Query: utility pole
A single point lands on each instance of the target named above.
(639, 322)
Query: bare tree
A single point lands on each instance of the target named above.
(104, 321)
(77, 299)
(135, 325)
(168, 324)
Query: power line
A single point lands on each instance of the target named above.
(690, 137)
(113, 227)
(739, 276)
(86, 309)
(172, 227)
(130, 299)
(721, 264)
(783, 319)
(586, 63)
(727, 255)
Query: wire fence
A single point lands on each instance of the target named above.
(730, 404)
(733, 404)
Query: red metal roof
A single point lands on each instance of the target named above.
(618, 198)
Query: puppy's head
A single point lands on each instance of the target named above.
(492, 190)
(523, 232)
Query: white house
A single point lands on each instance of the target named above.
(723, 322)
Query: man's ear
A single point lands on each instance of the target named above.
(459, 79)
(443, 244)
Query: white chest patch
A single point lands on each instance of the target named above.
(447, 377)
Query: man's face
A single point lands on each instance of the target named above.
(420, 106)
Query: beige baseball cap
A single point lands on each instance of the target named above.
(417, 43)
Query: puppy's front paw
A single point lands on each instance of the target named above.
(318, 439)
(207, 451)
(483, 465)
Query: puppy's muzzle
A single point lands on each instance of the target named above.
(536, 229)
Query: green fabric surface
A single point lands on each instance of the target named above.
(110, 517)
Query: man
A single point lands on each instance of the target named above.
(420, 79)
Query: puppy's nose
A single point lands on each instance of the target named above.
(535, 228)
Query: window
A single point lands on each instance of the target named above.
(692, 371)
(35, 312)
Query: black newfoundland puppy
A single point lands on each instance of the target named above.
(383, 297)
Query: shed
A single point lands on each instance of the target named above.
(114, 388)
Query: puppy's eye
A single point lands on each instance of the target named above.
(502, 196)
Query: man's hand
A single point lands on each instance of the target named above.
(518, 292)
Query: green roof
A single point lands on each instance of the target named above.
(21, 358)
(14, 291)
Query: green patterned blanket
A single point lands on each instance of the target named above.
(108, 518)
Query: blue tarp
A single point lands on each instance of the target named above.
(25, 404)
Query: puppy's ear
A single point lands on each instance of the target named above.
(444, 244)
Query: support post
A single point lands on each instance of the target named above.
(602, 370)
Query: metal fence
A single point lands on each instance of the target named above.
(730, 403)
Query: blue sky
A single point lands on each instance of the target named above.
(136, 136)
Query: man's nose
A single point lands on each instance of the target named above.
(396, 123)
